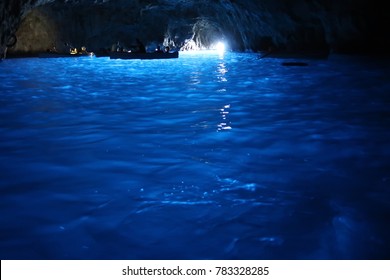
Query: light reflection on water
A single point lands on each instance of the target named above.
(204, 157)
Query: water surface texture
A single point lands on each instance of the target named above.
(208, 156)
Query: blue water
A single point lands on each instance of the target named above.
(208, 156)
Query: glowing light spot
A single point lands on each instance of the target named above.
(220, 47)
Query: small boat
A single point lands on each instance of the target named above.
(56, 55)
(295, 63)
(102, 53)
(151, 55)
(321, 54)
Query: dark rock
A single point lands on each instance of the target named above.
(345, 26)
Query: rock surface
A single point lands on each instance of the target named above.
(342, 26)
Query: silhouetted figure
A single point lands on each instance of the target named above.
(167, 49)
(83, 50)
(53, 49)
(140, 47)
(118, 47)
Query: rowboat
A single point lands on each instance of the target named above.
(55, 55)
(151, 55)
(322, 54)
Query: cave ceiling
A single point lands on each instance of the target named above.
(243, 25)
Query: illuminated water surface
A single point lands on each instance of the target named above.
(208, 156)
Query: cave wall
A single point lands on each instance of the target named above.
(343, 26)
(10, 16)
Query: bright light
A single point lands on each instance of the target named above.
(220, 47)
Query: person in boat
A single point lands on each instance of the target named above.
(119, 47)
(158, 50)
(113, 47)
(83, 50)
(53, 49)
(167, 49)
(140, 47)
